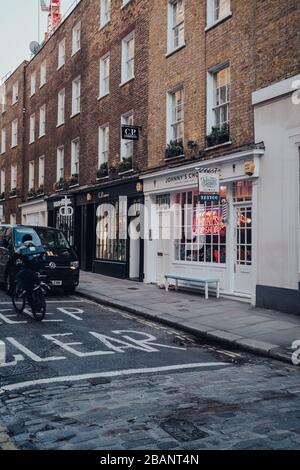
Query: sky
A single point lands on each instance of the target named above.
(18, 27)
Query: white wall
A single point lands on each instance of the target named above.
(277, 123)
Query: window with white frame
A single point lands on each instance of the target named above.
(218, 98)
(200, 230)
(2, 98)
(175, 115)
(32, 129)
(42, 120)
(3, 141)
(41, 171)
(76, 85)
(104, 75)
(32, 83)
(103, 144)
(15, 92)
(13, 177)
(76, 33)
(61, 53)
(2, 182)
(175, 24)
(75, 152)
(60, 173)
(127, 145)
(105, 7)
(61, 107)
(31, 175)
(127, 71)
(217, 10)
(43, 73)
(12, 219)
(14, 133)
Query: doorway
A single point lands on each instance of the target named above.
(243, 249)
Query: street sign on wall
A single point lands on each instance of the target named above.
(130, 132)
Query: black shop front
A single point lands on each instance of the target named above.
(104, 218)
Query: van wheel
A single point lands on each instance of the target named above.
(69, 290)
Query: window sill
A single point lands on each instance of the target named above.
(41, 136)
(125, 172)
(126, 81)
(173, 51)
(59, 125)
(73, 185)
(102, 26)
(102, 96)
(32, 95)
(75, 52)
(43, 84)
(14, 146)
(216, 23)
(61, 66)
(75, 114)
(102, 178)
(167, 159)
(125, 4)
(15, 102)
(12, 197)
(32, 142)
(217, 146)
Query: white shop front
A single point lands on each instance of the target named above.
(34, 213)
(212, 239)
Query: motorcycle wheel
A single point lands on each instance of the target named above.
(38, 305)
(18, 302)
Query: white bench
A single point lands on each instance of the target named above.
(203, 281)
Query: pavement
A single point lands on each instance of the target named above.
(231, 323)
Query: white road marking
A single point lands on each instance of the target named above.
(116, 373)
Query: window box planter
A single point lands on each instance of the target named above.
(61, 184)
(31, 193)
(174, 149)
(218, 136)
(2, 196)
(73, 180)
(13, 192)
(40, 190)
(102, 171)
(125, 165)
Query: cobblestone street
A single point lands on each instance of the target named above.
(182, 395)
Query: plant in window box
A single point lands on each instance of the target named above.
(74, 179)
(59, 184)
(174, 149)
(2, 195)
(13, 192)
(125, 165)
(218, 135)
(31, 193)
(102, 170)
(40, 189)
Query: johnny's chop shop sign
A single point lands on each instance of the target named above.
(209, 184)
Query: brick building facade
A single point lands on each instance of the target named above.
(184, 72)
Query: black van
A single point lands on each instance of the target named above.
(61, 265)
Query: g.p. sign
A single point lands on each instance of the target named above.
(130, 132)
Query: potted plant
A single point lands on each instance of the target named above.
(74, 179)
(59, 184)
(40, 189)
(2, 195)
(174, 149)
(218, 135)
(125, 165)
(102, 170)
(13, 192)
(31, 193)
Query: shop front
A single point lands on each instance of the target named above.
(107, 216)
(212, 237)
(34, 212)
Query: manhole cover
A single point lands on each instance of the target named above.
(183, 430)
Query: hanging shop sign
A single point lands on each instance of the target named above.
(209, 184)
(249, 168)
(65, 210)
(130, 132)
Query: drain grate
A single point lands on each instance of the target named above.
(182, 430)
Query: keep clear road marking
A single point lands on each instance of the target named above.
(116, 373)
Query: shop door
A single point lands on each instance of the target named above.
(134, 233)
(163, 252)
(243, 250)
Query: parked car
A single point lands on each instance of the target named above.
(61, 263)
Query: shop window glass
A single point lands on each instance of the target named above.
(200, 230)
(242, 191)
(111, 231)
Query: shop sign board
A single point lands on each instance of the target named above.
(209, 184)
(130, 132)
